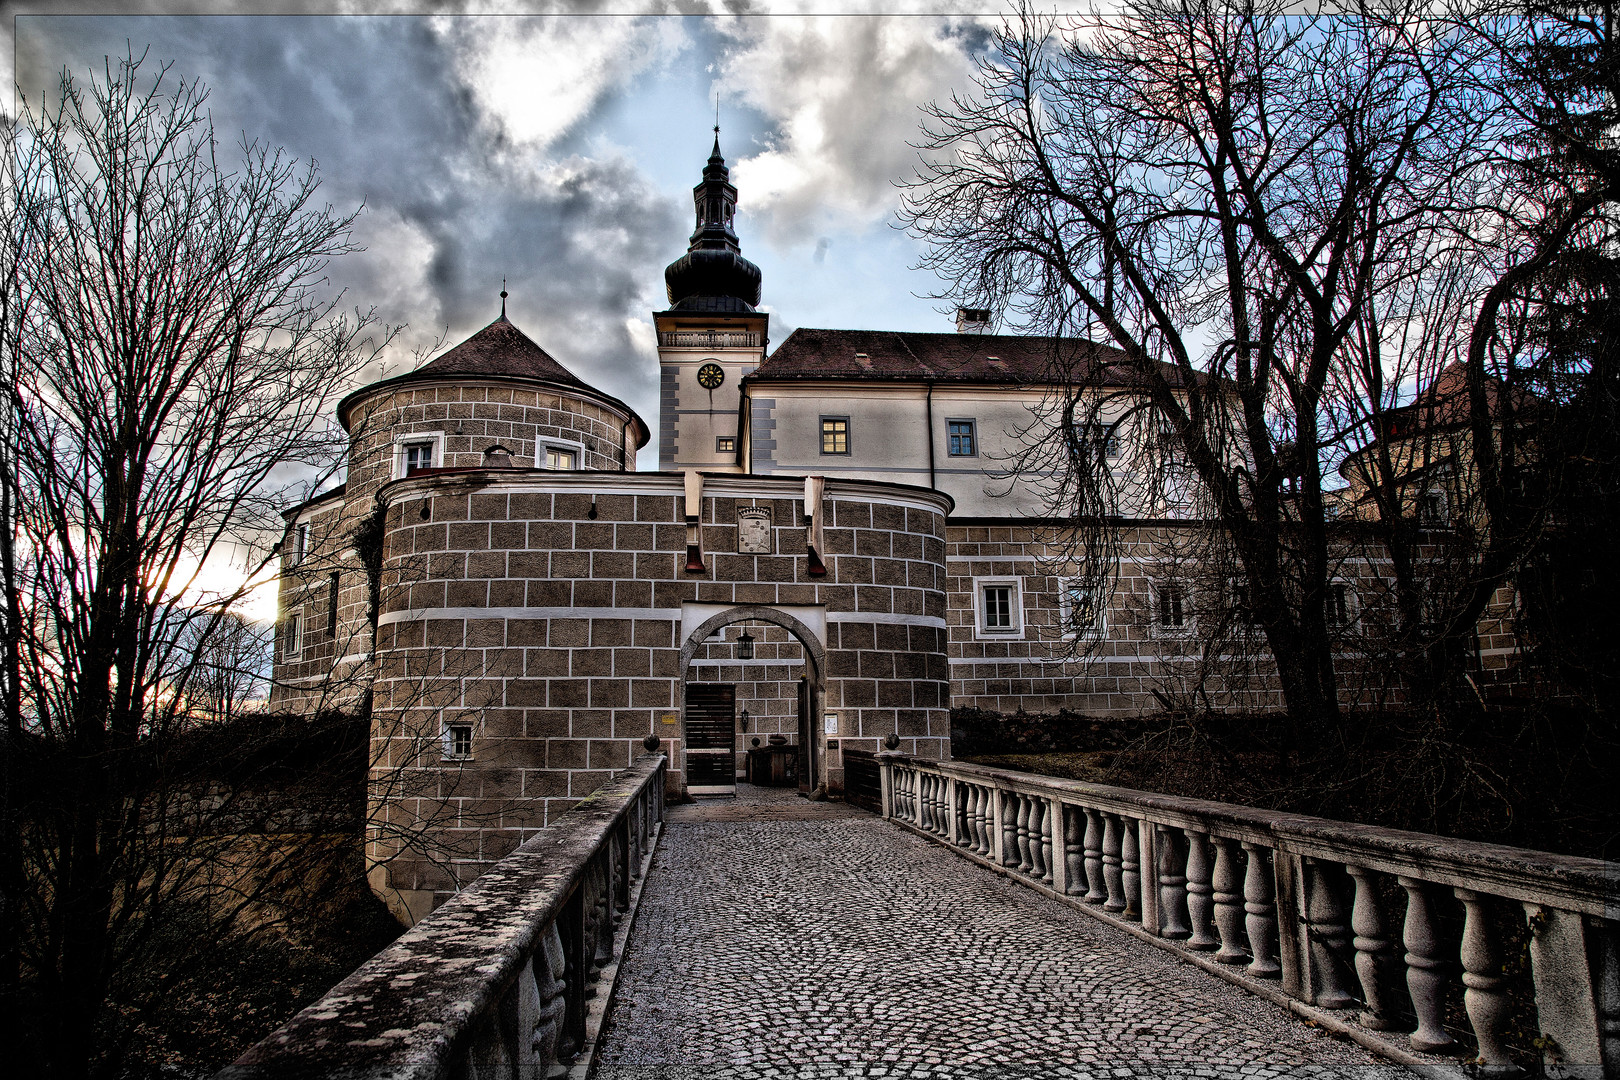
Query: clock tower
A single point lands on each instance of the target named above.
(710, 337)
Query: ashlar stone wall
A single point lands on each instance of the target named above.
(1134, 663)
(547, 613)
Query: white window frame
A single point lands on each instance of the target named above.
(402, 441)
(1099, 618)
(447, 736)
(575, 448)
(293, 645)
(1015, 632)
(300, 543)
(1162, 629)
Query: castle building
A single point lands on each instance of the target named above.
(833, 552)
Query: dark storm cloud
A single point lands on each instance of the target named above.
(451, 206)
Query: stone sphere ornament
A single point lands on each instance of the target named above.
(891, 741)
(651, 742)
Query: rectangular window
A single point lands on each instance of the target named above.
(1339, 604)
(300, 544)
(561, 458)
(294, 642)
(959, 438)
(458, 739)
(725, 444)
(1100, 441)
(331, 604)
(1432, 507)
(1082, 613)
(1172, 608)
(1000, 607)
(997, 607)
(1237, 596)
(835, 434)
(418, 455)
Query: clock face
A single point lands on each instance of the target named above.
(711, 376)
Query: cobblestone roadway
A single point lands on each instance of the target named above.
(840, 945)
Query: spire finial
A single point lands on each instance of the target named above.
(503, 298)
(717, 113)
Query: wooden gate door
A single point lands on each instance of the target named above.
(711, 739)
(807, 738)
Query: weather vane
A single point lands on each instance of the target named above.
(503, 298)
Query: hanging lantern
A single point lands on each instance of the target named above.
(745, 646)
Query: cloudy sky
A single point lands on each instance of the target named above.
(559, 151)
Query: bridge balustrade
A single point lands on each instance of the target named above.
(499, 981)
(1328, 914)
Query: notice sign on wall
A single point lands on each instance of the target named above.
(754, 530)
(670, 718)
(831, 721)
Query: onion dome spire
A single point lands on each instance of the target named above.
(713, 275)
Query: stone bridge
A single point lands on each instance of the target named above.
(976, 922)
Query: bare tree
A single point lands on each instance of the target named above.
(174, 353)
(1288, 226)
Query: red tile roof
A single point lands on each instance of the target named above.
(885, 355)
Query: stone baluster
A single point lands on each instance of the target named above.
(925, 816)
(1374, 951)
(1425, 977)
(962, 813)
(1044, 808)
(1113, 861)
(1607, 985)
(1094, 858)
(1485, 993)
(942, 825)
(547, 1036)
(1009, 829)
(1227, 883)
(1200, 904)
(980, 797)
(1022, 817)
(1329, 937)
(1074, 851)
(1172, 885)
(972, 796)
(1260, 919)
(1130, 868)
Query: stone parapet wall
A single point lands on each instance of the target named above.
(549, 611)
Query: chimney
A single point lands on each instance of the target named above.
(972, 320)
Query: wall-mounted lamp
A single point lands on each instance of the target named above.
(745, 646)
(742, 720)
